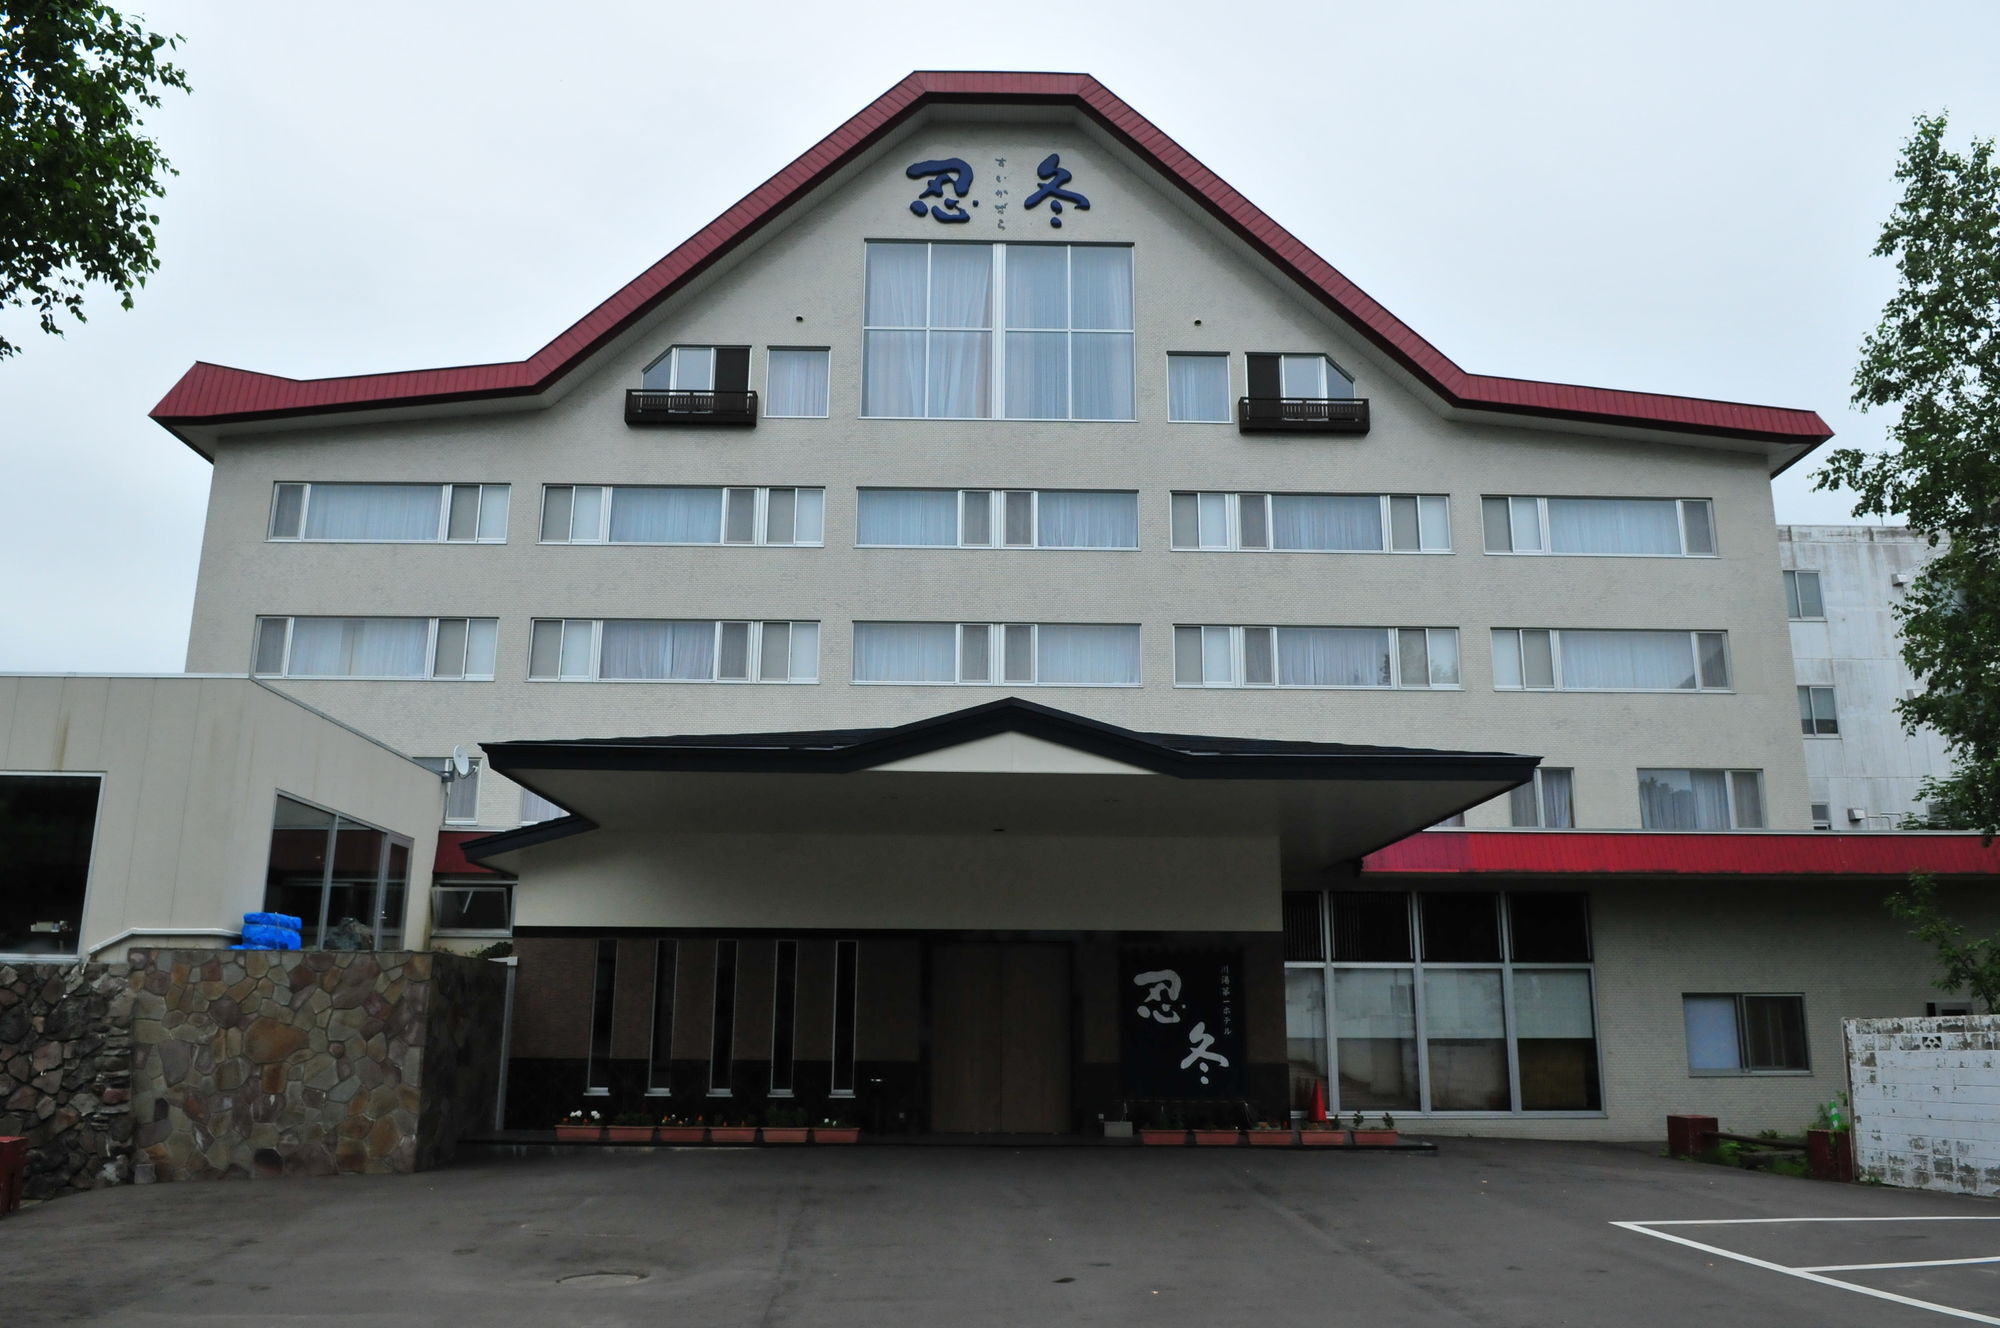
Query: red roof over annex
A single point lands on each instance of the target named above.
(209, 395)
(1684, 853)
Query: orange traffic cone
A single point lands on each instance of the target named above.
(1318, 1112)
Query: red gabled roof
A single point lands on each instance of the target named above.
(1665, 853)
(211, 394)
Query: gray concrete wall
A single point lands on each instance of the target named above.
(1197, 290)
(1927, 1101)
(1873, 765)
(191, 769)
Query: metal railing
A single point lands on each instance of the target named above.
(1302, 414)
(646, 405)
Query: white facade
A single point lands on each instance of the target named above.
(1865, 775)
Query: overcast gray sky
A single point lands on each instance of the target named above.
(1675, 197)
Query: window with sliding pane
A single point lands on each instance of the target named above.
(1313, 522)
(997, 331)
(1606, 527)
(1441, 1002)
(997, 518)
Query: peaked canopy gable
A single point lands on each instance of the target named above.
(212, 394)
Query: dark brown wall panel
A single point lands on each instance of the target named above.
(815, 1028)
(888, 1000)
(755, 961)
(552, 983)
(632, 1000)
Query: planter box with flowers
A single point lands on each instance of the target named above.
(630, 1127)
(836, 1130)
(786, 1125)
(1322, 1134)
(1217, 1138)
(1382, 1136)
(1270, 1134)
(722, 1132)
(580, 1127)
(1163, 1138)
(681, 1130)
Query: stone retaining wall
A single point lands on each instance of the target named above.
(268, 1063)
(65, 1073)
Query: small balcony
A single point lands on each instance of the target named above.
(1302, 414)
(646, 405)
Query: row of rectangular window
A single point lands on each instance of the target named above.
(1012, 518)
(723, 1010)
(1046, 654)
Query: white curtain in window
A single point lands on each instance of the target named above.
(1100, 287)
(1198, 388)
(961, 375)
(796, 385)
(373, 512)
(1614, 525)
(1326, 521)
(1037, 376)
(633, 648)
(643, 514)
(892, 384)
(961, 285)
(1558, 812)
(1038, 286)
(1070, 654)
(1072, 519)
(360, 647)
(905, 652)
(1628, 661)
(1333, 657)
(925, 518)
(1101, 366)
(1683, 800)
(1711, 1032)
(897, 284)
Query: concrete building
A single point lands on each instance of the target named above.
(967, 639)
(1842, 583)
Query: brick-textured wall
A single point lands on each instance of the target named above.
(1927, 1101)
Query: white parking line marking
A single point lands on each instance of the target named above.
(1868, 1267)
(1804, 1274)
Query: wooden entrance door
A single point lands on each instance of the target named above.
(999, 1038)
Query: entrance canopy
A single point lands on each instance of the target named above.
(1009, 767)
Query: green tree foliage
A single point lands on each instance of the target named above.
(1965, 963)
(77, 177)
(1935, 357)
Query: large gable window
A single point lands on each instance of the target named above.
(985, 331)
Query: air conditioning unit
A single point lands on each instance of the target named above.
(1899, 578)
(1912, 693)
(1857, 814)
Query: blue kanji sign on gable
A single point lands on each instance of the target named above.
(1055, 181)
(953, 173)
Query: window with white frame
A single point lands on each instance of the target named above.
(990, 654)
(1745, 1033)
(1817, 718)
(461, 795)
(997, 518)
(1802, 597)
(672, 650)
(795, 383)
(1592, 660)
(1313, 522)
(1545, 801)
(453, 648)
(699, 369)
(1441, 1002)
(472, 907)
(1612, 527)
(1198, 388)
(997, 331)
(1217, 656)
(681, 514)
(390, 513)
(1701, 799)
(1309, 377)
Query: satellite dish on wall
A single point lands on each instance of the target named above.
(460, 766)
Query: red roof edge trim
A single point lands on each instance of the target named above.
(451, 859)
(213, 394)
(1658, 853)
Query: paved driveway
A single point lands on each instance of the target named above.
(1486, 1232)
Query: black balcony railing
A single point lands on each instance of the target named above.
(646, 405)
(1302, 414)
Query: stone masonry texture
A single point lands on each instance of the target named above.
(66, 1073)
(266, 1063)
(1927, 1101)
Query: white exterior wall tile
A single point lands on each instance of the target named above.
(1924, 1096)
